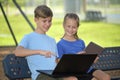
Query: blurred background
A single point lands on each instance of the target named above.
(99, 22)
(100, 19)
(108, 8)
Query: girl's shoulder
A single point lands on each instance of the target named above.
(80, 40)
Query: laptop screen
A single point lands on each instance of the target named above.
(74, 63)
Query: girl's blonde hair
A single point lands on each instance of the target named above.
(75, 17)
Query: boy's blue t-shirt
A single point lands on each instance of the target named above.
(35, 41)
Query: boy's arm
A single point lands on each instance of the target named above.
(22, 52)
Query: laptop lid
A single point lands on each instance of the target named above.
(72, 65)
(93, 48)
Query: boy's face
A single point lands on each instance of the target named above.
(43, 24)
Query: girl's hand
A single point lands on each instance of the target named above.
(95, 61)
(81, 52)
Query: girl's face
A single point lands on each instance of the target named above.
(43, 24)
(70, 27)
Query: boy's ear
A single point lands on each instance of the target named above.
(35, 19)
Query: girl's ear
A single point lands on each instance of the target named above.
(63, 25)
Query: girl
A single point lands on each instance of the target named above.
(71, 43)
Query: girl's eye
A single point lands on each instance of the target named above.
(74, 27)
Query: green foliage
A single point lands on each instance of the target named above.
(10, 2)
(1, 1)
(102, 33)
(105, 34)
(115, 1)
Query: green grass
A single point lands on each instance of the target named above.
(104, 34)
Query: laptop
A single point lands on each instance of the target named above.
(93, 48)
(71, 65)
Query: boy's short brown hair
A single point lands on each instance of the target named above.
(43, 11)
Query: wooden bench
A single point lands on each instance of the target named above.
(94, 16)
(16, 68)
(109, 61)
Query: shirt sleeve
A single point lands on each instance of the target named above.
(83, 43)
(60, 50)
(56, 50)
(24, 42)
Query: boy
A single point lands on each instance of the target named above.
(39, 49)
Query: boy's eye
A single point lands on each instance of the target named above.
(68, 26)
(44, 21)
(47, 21)
(50, 20)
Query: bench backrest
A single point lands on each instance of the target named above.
(109, 61)
(16, 67)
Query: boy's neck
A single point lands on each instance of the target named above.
(39, 31)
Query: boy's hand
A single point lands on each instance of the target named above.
(47, 53)
(70, 78)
